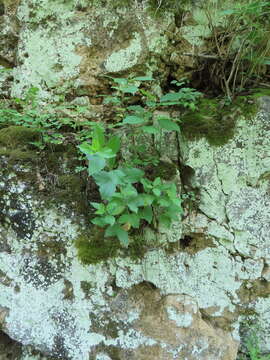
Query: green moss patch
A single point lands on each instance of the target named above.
(14, 136)
(92, 250)
(95, 248)
(216, 122)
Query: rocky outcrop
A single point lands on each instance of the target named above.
(183, 293)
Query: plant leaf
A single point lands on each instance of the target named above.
(114, 144)
(146, 213)
(129, 89)
(86, 148)
(132, 219)
(133, 175)
(133, 120)
(121, 234)
(150, 129)
(96, 164)
(98, 139)
(107, 182)
(168, 124)
(143, 78)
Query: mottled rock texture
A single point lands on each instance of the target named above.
(189, 293)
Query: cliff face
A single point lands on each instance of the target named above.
(184, 293)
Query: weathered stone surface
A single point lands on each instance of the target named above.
(187, 296)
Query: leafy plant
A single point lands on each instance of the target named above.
(123, 207)
(241, 44)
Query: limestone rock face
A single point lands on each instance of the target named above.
(189, 294)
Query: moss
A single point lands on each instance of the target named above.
(14, 136)
(95, 248)
(216, 122)
(18, 155)
(164, 170)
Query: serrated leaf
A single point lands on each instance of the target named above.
(133, 175)
(147, 199)
(150, 130)
(121, 234)
(98, 221)
(146, 213)
(132, 219)
(100, 208)
(170, 97)
(96, 164)
(115, 207)
(107, 182)
(167, 124)
(133, 120)
(109, 219)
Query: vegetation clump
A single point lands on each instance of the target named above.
(215, 120)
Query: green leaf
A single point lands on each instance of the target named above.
(107, 182)
(98, 139)
(136, 108)
(86, 148)
(157, 192)
(114, 144)
(121, 234)
(129, 191)
(133, 120)
(115, 207)
(99, 206)
(120, 81)
(165, 220)
(132, 219)
(170, 97)
(150, 130)
(109, 219)
(96, 164)
(167, 124)
(129, 89)
(157, 181)
(143, 78)
(147, 199)
(106, 153)
(133, 175)
(98, 221)
(146, 213)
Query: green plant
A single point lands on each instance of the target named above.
(123, 206)
(128, 198)
(240, 43)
